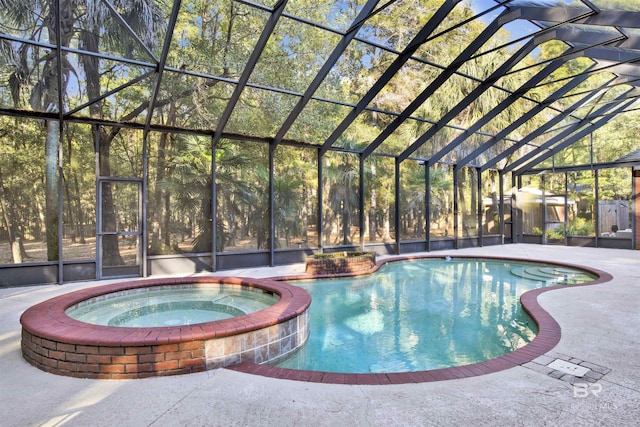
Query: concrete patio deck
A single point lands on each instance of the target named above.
(599, 330)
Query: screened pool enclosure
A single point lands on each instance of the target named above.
(146, 137)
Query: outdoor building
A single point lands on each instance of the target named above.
(148, 137)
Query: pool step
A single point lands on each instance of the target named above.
(544, 274)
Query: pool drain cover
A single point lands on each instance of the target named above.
(568, 368)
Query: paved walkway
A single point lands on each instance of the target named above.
(600, 331)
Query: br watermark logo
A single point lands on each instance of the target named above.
(584, 390)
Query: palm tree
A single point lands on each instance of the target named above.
(342, 181)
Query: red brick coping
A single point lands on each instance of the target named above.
(547, 338)
(56, 343)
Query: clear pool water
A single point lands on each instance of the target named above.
(422, 314)
(171, 306)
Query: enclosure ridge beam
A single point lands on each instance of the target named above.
(559, 14)
(580, 46)
(613, 18)
(559, 24)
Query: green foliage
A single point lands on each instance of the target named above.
(555, 233)
(580, 227)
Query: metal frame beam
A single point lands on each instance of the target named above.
(542, 129)
(572, 129)
(391, 71)
(574, 138)
(517, 123)
(366, 12)
(466, 101)
(268, 29)
(571, 53)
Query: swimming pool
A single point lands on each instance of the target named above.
(423, 314)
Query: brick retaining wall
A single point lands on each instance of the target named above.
(340, 264)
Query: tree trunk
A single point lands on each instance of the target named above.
(79, 212)
(70, 211)
(373, 223)
(156, 207)
(75, 199)
(51, 189)
(474, 201)
(7, 218)
(386, 232)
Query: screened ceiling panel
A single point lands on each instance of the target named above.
(404, 86)
(122, 29)
(443, 48)
(215, 38)
(260, 112)
(20, 91)
(593, 82)
(617, 4)
(434, 148)
(24, 17)
(402, 137)
(190, 101)
(458, 23)
(364, 129)
(110, 83)
(293, 56)
(409, 14)
(335, 14)
(308, 128)
(505, 117)
(358, 68)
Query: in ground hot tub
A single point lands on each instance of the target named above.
(78, 334)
